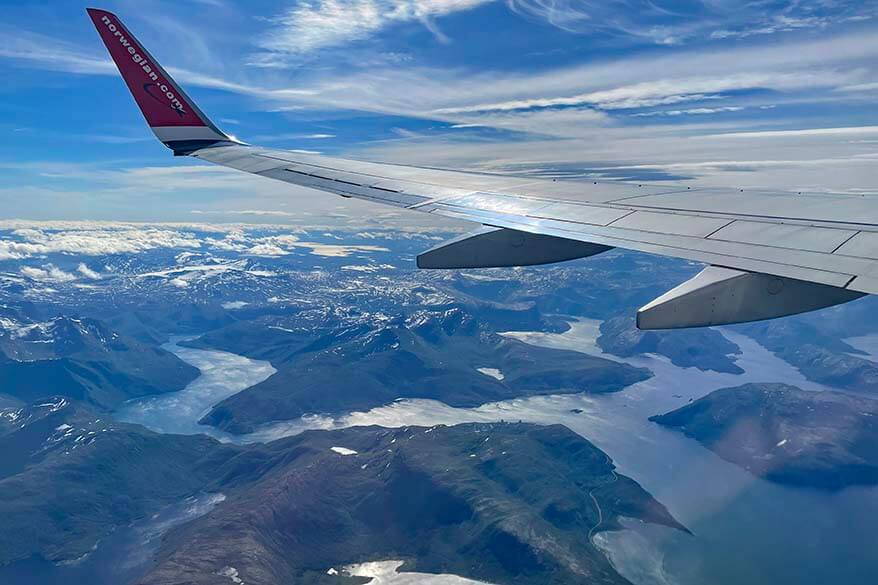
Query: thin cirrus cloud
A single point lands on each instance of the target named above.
(472, 97)
(668, 22)
(668, 91)
(49, 53)
(318, 24)
(689, 112)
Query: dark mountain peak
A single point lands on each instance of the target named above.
(383, 339)
(61, 336)
(84, 359)
(13, 419)
(435, 325)
(34, 432)
(72, 334)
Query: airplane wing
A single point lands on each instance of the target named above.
(768, 254)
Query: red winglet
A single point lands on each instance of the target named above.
(168, 110)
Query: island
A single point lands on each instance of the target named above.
(826, 440)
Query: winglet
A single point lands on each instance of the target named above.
(170, 113)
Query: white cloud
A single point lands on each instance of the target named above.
(331, 250)
(281, 245)
(50, 53)
(779, 23)
(268, 250)
(315, 24)
(669, 22)
(93, 241)
(701, 155)
(254, 212)
(864, 87)
(659, 92)
(689, 112)
(48, 273)
(830, 132)
(87, 272)
(808, 70)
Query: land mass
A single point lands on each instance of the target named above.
(705, 349)
(505, 503)
(786, 435)
(84, 360)
(440, 355)
(821, 357)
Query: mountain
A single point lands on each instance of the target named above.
(705, 349)
(69, 478)
(505, 503)
(440, 355)
(821, 357)
(84, 360)
(816, 439)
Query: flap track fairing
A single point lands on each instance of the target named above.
(722, 296)
(491, 247)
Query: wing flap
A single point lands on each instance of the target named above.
(671, 223)
(585, 214)
(774, 206)
(861, 245)
(794, 237)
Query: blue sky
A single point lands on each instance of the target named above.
(775, 94)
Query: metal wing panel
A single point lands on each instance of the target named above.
(780, 234)
(866, 284)
(670, 223)
(587, 214)
(437, 177)
(862, 245)
(491, 202)
(593, 191)
(816, 267)
(768, 206)
(794, 237)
